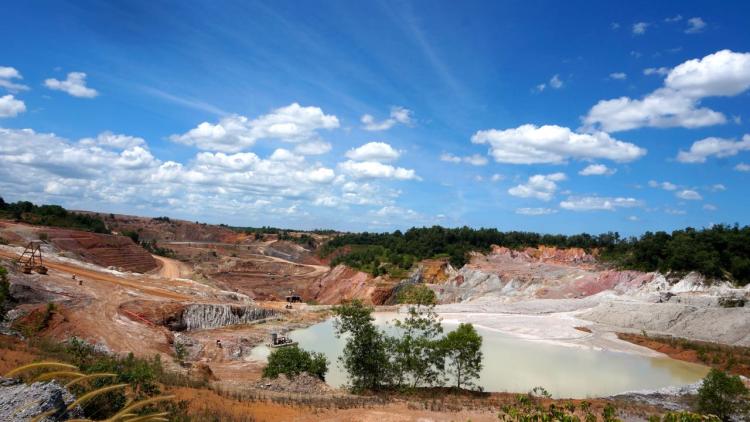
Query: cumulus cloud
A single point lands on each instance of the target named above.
(621, 76)
(662, 185)
(535, 211)
(742, 167)
(671, 19)
(689, 195)
(376, 170)
(474, 159)
(639, 28)
(398, 115)
(551, 144)
(539, 186)
(695, 25)
(554, 82)
(234, 133)
(374, 151)
(74, 85)
(663, 71)
(313, 148)
(718, 147)
(598, 203)
(677, 104)
(10, 106)
(710, 207)
(113, 168)
(7, 74)
(597, 170)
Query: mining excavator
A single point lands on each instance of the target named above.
(31, 258)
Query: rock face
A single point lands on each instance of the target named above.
(202, 316)
(340, 284)
(21, 402)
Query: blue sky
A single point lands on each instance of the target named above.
(542, 116)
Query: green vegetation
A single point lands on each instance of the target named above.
(462, 348)
(720, 251)
(416, 294)
(50, 215)
(723, 395)
(5, 297)
(150, 245)
(418, 357)
(292, 361)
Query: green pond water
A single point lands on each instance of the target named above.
(518, 365)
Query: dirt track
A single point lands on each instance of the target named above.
(172, 268)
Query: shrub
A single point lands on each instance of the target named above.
(5, 297)
(292, 361)
(417, 294)
(723, 395)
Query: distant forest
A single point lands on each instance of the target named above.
(50, 215)
(721, 251)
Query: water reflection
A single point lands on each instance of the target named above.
(513, 364)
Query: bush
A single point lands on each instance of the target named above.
(292, 361)
(5, 297)
(417, 294)
(723, 395)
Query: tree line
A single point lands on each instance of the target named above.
(720, 251)
(50, 215)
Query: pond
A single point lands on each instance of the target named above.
(518, 365)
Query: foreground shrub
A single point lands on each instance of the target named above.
(723, 395)
(293, 361)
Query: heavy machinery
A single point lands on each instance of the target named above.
(278, 340)
(31, 258)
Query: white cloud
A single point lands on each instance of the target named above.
(695, 25)
(597, 170)
(374, 151)
(718, 188)
(675, 18)
(618, 76)
(530, 144)
(398, 115)
(742, 167)
(689, 195)
(598, 203)
(108, 139)
(474, 159)
(10, 106)
(710, 207)
(555, 82)
(663, 71)
(497, 177)
(74, 85)
(663, 185)
(535, 211)
(234, 133)
(633, 218)
(673, 211)
(540, 87)
(313, 148)
(639, 28)
(6, 76)
(375, 169)
(677, 104)
(539, 186)
(719, 147)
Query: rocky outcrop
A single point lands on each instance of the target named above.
(340, 284)
(21, 402)
(202, 316)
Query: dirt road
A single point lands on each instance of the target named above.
(172, 268)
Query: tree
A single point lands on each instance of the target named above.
(723, 395)
(292, 361)
(365, 355)
(463, 354)
(417, 357)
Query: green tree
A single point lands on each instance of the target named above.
(417, 357)
(292, 361)
(365, 356)
(723, 395)
(463, 354)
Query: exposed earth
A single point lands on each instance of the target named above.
(222, 293)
